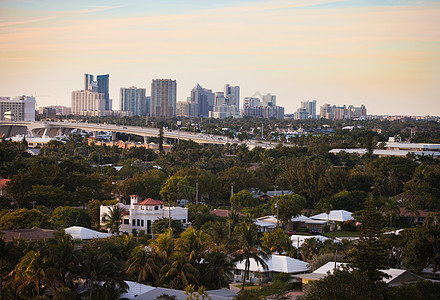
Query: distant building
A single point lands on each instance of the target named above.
(21, 108)
(88, 103)
(101, 85)
(301, 114)
(204, 99)
(266, 112)
(307, 110)
(342, 112)
(269, 100)
(232, 93)
(163, 97)
(251, 102)
(55, 109)
(133, 99)
(187, 108)
(222, 108)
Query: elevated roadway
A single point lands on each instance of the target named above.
(52, 129)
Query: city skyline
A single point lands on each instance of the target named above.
(383, 54)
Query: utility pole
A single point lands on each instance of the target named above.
(232, 193)
(33, 204)
(197, 192)
(275, 187)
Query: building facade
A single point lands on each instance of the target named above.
(101, 85)
(204, 99)
(232, 93)
(133, 99)
(21, 108)
(140, 215)
(343, 112)
(88, 103)
(163, 97)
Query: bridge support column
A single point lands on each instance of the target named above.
(145, 139)
(95, 134)
(45, 132)
(113, 136)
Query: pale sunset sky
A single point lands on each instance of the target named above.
(381, 53)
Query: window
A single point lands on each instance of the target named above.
(156, 208)
(126, 221)
(148, 226)
(103, 219)
(138, 222)
(142, 223)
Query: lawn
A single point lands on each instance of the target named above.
(342, 233)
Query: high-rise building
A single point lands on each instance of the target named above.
(204, 98)
(342, 112)
(88, 103)
(269, 100)
(133, 99)
(310, 108)
(147, 104)
(163, 97)
(103, 88)
(101, 85)
(232, 93)
(21, 108)
(251, 102)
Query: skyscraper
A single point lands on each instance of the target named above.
(21, 108)
(103, 88)
(204, 98)
(133, 99)
(163, 97)
(232, 93)
(101, 85)
(310, 108)
(269, 100)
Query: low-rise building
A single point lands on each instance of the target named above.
(140, 215)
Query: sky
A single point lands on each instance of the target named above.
(381, 53)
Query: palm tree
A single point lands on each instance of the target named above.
(309, 248)
(113, 218)
(142, 265)
(31, 270)
(391, 208)
(247, 246)
(163, 246)
(219, 267)
(97, 267)
(180, 272)
(194, 244)
(62, 256)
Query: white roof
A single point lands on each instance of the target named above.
(300, 218)
(383, 152)
(329, 267)
(335, 215)
(135, 289)
(82, 233)
(277, 263)
(265, 224)
(271, 219)
(298, 240)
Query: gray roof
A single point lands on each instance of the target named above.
(180, 295)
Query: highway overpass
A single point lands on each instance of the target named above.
(52, 129)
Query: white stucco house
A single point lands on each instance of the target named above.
(140, 215)
(275, 264)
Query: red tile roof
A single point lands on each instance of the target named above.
(3, 182)
(150, 201)
(224, 213)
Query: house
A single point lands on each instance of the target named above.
(82, 233)
(225, 213)
(32, 234)
(140, 215)
(397, 277)
(267, 223)
(336, 217)
(417, 217)
(265, 197)
(298, 240)
(301, 221)
(3, 183)
(275, 263)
